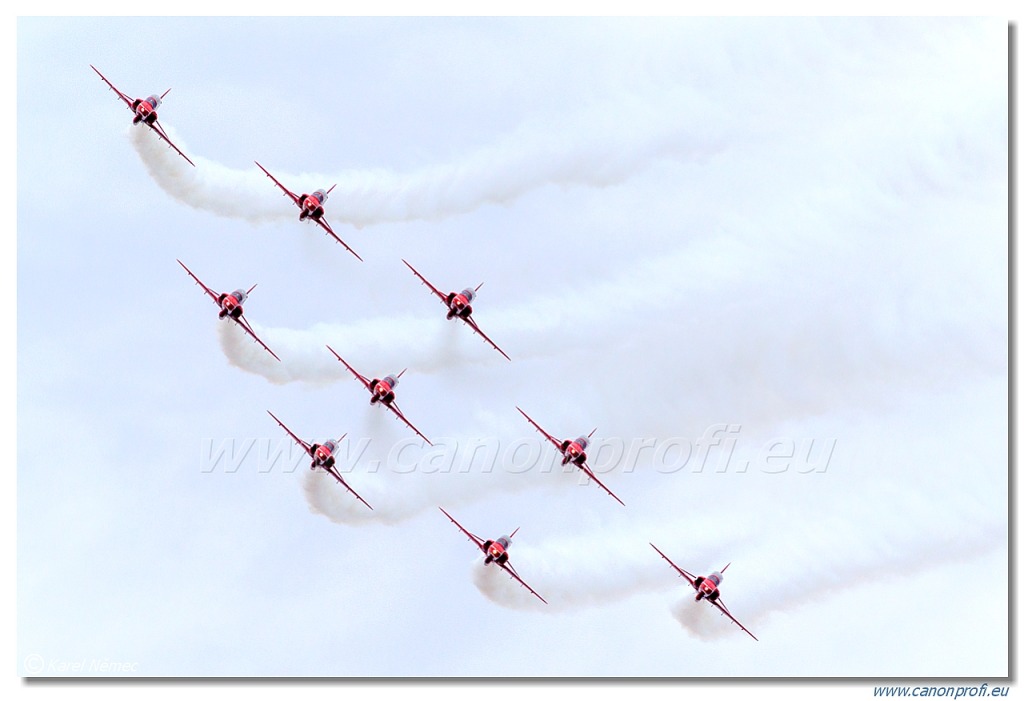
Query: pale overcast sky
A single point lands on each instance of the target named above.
(777, 247)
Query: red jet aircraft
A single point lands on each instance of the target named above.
(574, 451)
(707, 588)
(495, 551)
(311, 206)
(145, 111)
(382, 391)
(323, 456)
(458, 304)
(231, 306)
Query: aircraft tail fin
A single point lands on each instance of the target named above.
(165, 93)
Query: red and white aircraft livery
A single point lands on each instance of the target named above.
(459, 305)
(323, 456)
(495, 551)
(382, 391)
(707, 588)
(574, 451)
(231, 306)
(311, 207)
(145, 111)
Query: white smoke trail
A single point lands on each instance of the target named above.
(630, 307)
(325, 496)
(800, 551)
(400, 487)
(379, 345)
(608, 564)
(783, 559)
(591, 148)
(824, 344)
(809, 580)
(704, 622)
(415, 341)
(579, 572)
(809, 561)
(812, 553)
(500, 588)
(242, 351)
(210, 186)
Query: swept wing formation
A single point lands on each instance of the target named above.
(382, 390)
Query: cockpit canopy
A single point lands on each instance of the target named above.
(320, 196)
(583, 442)
(153, 101)
(240, 295)
(715, 577)
(469, 294)
(391, 381)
